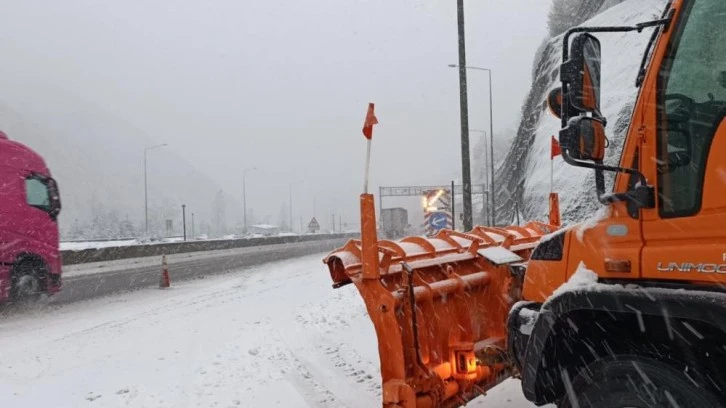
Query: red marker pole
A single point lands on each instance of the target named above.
(368, 167)
(555, 150)
(552, 175)
(369, 238)
(554, 216)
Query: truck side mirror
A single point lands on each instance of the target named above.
(581, 72)
(554, 102)
(584, 139)
(55, 204)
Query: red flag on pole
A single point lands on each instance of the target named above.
(370, 121)
(555, 149)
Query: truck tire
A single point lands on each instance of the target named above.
(636, 381)
(27, 281)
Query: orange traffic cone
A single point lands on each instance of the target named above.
(164, 281)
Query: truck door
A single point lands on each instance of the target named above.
(685, 235)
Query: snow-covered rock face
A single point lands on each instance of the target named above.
(525, 175)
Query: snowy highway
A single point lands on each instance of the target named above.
(83, 281)
(265, 336)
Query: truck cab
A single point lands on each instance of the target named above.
(30, 262)
(645, 297)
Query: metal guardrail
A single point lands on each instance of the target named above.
(99, 239)
(72, 257)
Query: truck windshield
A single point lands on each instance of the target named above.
(692, 102)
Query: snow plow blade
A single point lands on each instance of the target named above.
(439, 306)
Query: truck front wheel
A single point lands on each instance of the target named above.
(636, 381)
(27, 281)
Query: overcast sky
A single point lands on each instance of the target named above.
(280, 85)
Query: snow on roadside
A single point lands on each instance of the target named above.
(80, 245)
(262, 338)
(274, 335)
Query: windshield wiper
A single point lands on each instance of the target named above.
(646, 56)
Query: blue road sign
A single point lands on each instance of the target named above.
(438, 220)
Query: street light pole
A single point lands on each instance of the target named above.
(146, 188)
(184, 221)
(290, 186)
(193, 226)
(244, 196)
(464, 112)
(290, 201)
(485, 202)
(491, 137)
(491, 151)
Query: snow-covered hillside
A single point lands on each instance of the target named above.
(525, 175)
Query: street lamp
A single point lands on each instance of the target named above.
(486, 174)
(491, 139)
(290, 186)
(184, 221)
(146, 189)
(244, 195)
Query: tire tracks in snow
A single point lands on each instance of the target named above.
(345, 378)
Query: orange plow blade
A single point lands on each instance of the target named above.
(439, 306)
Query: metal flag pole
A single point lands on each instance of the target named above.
(552, 175)
(368, 166)
(368, 133)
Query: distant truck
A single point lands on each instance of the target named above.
(394, 222)
(30, 261)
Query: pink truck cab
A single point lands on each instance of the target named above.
(30, 261)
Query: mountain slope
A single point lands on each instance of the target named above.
(97, 159)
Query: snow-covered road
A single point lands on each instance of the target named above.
(272, 335)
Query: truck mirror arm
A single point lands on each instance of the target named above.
(643, 194)
(665, 22)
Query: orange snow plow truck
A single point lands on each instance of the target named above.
(627, 311)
